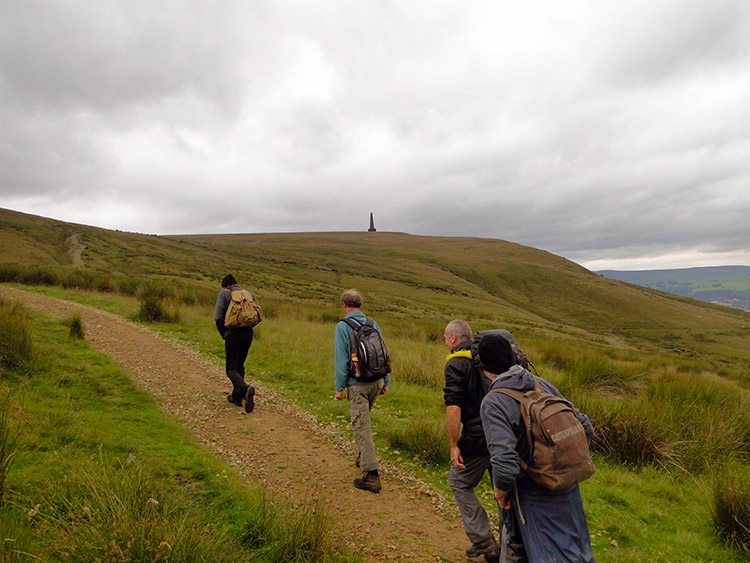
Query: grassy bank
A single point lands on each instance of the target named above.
(93, 470)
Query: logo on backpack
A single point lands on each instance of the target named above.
(558, 446)
(243, 310)
(370, 360)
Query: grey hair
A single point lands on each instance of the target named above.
(459, 328)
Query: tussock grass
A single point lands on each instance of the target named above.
(8, 439)
(417, 363)
(75, 324)
(123, 512)
(16, 347)
(731, 507)
(681, 420)
(273, 536)
(426, 439)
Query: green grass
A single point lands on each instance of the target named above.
(649, 515)
(100, 473)
(665, 379)
(642, 508)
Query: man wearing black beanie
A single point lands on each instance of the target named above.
(541, 524)
(237, 342)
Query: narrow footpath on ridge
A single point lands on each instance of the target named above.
(278, 444)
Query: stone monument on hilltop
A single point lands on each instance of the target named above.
(372, 228)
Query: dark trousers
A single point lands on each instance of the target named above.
(236, 347)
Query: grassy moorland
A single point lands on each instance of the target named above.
(664, 378)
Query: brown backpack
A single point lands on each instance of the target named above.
(558, 446)
(243, 310)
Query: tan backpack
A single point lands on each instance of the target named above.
(243, 310)
(558, 446)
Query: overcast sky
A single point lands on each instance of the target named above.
(613, 133)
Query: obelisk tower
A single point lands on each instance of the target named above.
(372, 228)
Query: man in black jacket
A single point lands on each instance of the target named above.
(465, 387)
(237, 342)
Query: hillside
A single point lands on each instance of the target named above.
(725, 285)
(432, 279)
(664, 378)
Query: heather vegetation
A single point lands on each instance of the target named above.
(665, 379)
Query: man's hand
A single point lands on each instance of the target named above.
(384, 390)
(456, 459)
(339, 395)
(502, 498)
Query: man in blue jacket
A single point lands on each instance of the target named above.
(362, 395)
(551, 525)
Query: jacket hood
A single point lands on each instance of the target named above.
(516, 378)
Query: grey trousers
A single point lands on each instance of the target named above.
(361, 399)
(462, 482)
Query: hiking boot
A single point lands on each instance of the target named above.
(493, 555)
(368, 482)
(249, 399)
(484, 548)
(231, 401)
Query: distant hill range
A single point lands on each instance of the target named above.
(725, 285)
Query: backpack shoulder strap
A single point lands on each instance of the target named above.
(519, 396)
(351, 322)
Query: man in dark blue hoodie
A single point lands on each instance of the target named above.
(237, 342)
(551, 525)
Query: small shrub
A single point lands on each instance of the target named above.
(731, 507)
(10, 273)
(15, 336)
(39, 276)
(153, 310)
(75, 324)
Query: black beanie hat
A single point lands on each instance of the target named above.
(228, 281)
(496, 354)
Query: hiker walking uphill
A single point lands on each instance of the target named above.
(236, 313)
(362, 367)
(536, 488)
(465, 387)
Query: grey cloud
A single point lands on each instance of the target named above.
(589, 129)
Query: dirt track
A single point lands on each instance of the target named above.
(277, 444)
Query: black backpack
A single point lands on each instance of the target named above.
(521, 358)
(373, 361)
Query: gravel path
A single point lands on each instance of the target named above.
(277, 444)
